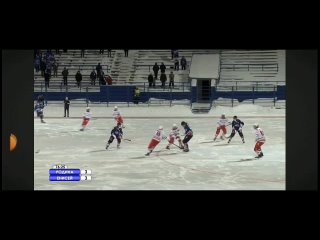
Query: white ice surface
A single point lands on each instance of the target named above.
(212, 166)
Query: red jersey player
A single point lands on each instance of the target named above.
(117, 116)
(260, 140)
(174, 134)
(222, 123)
(157, 137)
(86, 119)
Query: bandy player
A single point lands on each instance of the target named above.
(86, 119)
(157, 137)
(174, 134)
(117, 116)
(260, 140)
(222, 123)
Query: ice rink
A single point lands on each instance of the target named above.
(208, 165)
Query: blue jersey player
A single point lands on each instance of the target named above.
(39, 109)
(237, 125)
(117, 133)
(188, 135)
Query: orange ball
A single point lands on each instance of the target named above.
(13, 142)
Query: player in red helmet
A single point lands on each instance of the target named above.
(156, 139)
(260, 140)
(174, 134)
(222, 123)
(86, 119)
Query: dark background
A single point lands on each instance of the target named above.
(17, 118)
(301, 119)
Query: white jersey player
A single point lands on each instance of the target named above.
(117, 116)
(174, 134)
(222, 123)
(86, 119)
(156, 139)
(260, 140)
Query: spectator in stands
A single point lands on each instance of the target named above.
(47, 55)
(171, 79)
(176, 53)
(82, 53)
(155, 70)
(102, 80)
(101, 51)
(55, 69)
(65, 50)
(172, 53)
(57, 51)
(37, 63)
(93, 77)
(150, 80)
(51, 59)
(78, 78)
(35, 53)
(176, 64)
(65, 74)
(99, 69)
(136, 97)
(66, 107)
(40, 55)
(163, 79)
(183, 63)
(49, 67)
(108, 79)
(126, 52)
(46, 79)
(43, 67)
(109, 52)
(162, 68)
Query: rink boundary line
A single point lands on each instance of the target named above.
(218, 173)
(160, 117)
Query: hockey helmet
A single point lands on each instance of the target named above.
(223, 115)
(88, 109)
(183, 123)
(115, 108)
(235, 117)
(174, 126)
(160, 128)
(255, 126)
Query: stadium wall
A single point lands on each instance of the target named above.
(126, 94)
